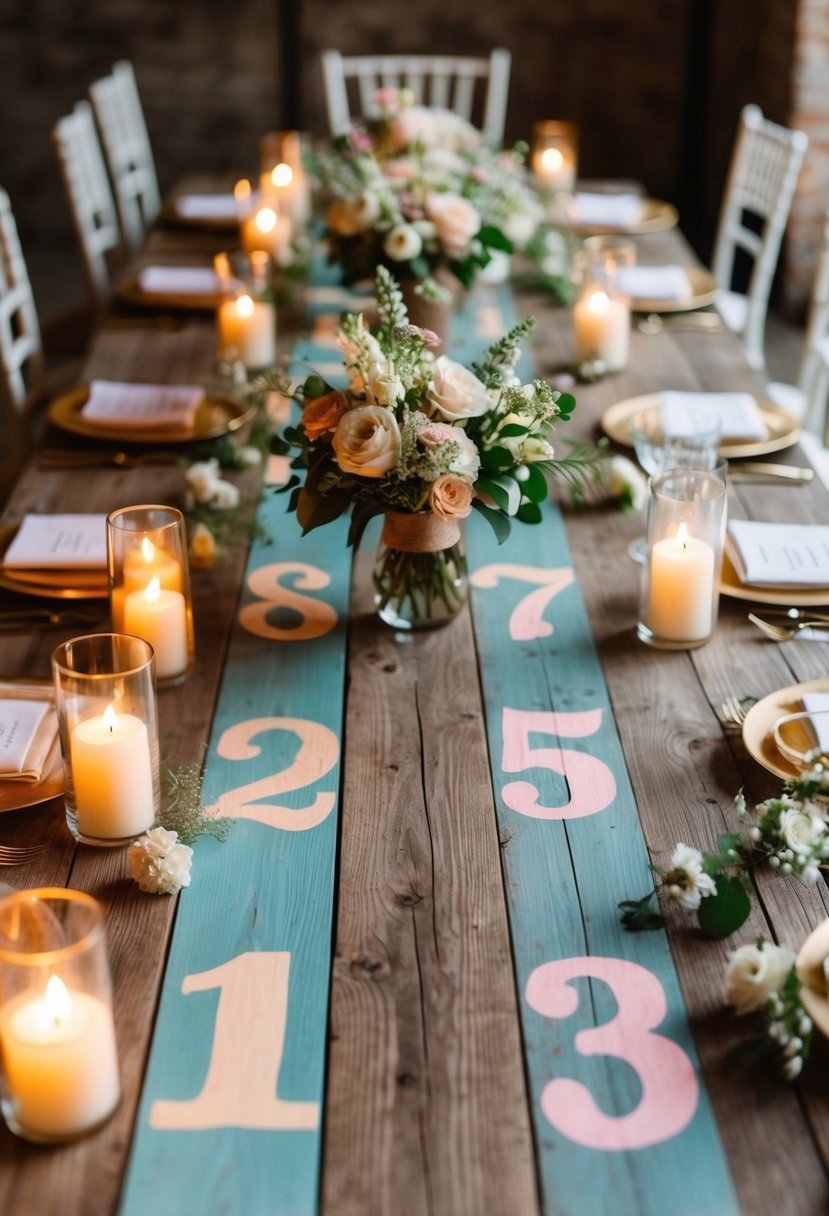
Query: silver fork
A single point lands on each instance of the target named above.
(18, 855)
(733, 713)
(784, 633)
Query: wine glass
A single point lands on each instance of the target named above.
(688, 442)
(803, 738)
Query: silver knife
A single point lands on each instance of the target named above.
(760, 471)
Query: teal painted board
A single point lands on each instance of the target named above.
(230, 1119)
(622, 1119)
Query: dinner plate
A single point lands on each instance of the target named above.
(760, 719)
(785, 597)
(16, 795)
(215, 416)
(704, 290)
(783, 427)
(656, 215)
(129, 290)
(810, 969)
(78, 585)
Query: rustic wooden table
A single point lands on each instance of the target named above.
(442, 914)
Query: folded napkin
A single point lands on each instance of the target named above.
(206, 207)
(28, 731)
(654, 282)
(737, 413)
(815, 703)
(59, 542)
(618, 210)
(779, 555)
(142, 405)
(179, 281)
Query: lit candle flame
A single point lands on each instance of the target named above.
(244, 306)
(241, 191)
(56, 1006)
(266, 219)
(148, 550)
(282, 175)
(153, 592)
(109, 718)
(598, 302)
(551, 160)
(682, 536)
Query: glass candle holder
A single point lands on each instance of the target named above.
(283, 173)
(149, 585)
(269, 226)
(554, 155)
(681, 573)
(601, 313)
(108, 721)
(246, 317)
(60, 1062)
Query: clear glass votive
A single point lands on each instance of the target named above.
(601, 313)
(108, 721)
(554, 155)
(246, 315)
(60, 1074)
(283, 174)
(149, 585)
(681, 573)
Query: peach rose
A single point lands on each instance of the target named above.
(450, 497)
(456, 220)
(320, 416)
(367, 441)
(455, 392)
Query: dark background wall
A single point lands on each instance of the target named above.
(655, 87)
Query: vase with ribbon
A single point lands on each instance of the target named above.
(420, 574)
(431, 303)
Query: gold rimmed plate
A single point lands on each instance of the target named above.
(17, 795)
(704, 290)
(50, 584)
(656, 215)
(130, 291)
(214, 417)
(811, 970)
(782, 426)
(783, 597)
(759, 723)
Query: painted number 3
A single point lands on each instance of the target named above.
(669, 1084)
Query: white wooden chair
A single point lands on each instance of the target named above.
(21, 348)
(90, 198)
(808, 398)
(444, 81)
(120, 117)
(761, 179)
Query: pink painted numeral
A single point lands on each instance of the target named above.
(317, 617)
(527, 620)
(240, 1088)
(670, 1090)
(591, 784)
(318, 752)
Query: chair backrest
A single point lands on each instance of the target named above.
(813, 377)
(21, 349)
(761, 180)
(120, 117)
(90, 196)
(444, 81)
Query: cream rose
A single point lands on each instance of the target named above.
(467, 462)
(367, 441)
(455, 392)
(320, 416)
(402, 243)
(348, 216)
(754, 972)
(456, 220)
(450, 497)
(801, 832)
(383, 387)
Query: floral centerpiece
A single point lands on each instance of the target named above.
(424, 441)
(418, 191)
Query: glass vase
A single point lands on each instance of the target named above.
(420, 575)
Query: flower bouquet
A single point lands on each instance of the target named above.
(424, 441)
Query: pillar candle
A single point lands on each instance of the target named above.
(60, 1060)
(264, 229)
(248, 327)
(602, 329)
(160, 618)
(681, 588)
(112, 775)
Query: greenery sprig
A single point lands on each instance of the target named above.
(182, 808)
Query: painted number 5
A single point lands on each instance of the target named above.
(669, 1084)
(592, 784)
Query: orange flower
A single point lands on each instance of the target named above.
(320, 416)
(450, 497)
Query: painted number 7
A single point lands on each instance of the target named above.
(592, 785)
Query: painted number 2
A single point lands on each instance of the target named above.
(592, 784)
(240, 1089)
(669, 1084)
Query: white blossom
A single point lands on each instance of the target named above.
(689, 878)
(158, 863)
(754, 972)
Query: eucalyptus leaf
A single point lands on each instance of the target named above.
(499, 522)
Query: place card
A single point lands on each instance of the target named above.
(142, 405)
(654, 282)
(779, 555)
(206, 207)
(179, 281)
(59, 542)
(28, 730)
(737, 413)
(618, 210)
(818, 703)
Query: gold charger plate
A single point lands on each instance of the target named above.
(783, 427)
(215, 416)
(760, 719)
(129, 290)
(656, 216)
(46, 588)
(810, 970)
(704, 290)
(785, 597)
(16, 795)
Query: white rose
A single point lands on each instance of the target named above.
(158, 863)
(383, 387)
(456, 220)
(411, 123)
(801, 832)
(402, 243)
(225, 496)
(754, 972)
(367, 441)
(467, 462)
(519, 227)
(455, 392)
(201, 479)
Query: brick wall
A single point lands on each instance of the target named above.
(810, 113)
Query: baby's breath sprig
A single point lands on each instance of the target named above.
(182, 808)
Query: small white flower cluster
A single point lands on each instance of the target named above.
(158, 863)
(205, 486)
(794, 835)
(759, 977)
